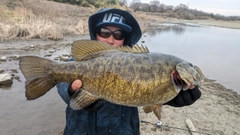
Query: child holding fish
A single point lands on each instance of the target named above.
(115, 27)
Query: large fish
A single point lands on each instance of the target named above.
(124, 75)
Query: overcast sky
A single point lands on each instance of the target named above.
(223, 7)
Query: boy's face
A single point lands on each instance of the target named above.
(111, 40)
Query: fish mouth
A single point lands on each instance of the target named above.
(178, 82)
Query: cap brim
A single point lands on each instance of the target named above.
(124, 27)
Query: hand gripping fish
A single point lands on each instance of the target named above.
(124, 75)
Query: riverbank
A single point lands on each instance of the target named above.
(217, 23)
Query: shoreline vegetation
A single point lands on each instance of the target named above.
(48, 20)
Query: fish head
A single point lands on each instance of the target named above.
(187, 75)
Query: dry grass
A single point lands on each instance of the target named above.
(42, 19)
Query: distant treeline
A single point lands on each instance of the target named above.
(91, 3)
(181, 11)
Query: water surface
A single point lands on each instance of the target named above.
(215, 50)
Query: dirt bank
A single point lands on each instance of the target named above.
(216, 112)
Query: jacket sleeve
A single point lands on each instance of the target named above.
(62, 89)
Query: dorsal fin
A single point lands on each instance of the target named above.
(82, 48)
(135, 49)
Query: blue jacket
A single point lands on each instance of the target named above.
(111, 119)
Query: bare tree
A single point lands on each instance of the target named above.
(136, 5)
(145, 7)
(168, 7)
(123, 2)
(180, 8)
(154, 5)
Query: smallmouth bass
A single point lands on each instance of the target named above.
(124, 75)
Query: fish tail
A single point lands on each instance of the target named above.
(38, 75)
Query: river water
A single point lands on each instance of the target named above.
(215, 50)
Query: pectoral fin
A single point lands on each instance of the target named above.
(157, 109)
(161, 89)
(165, 92)
(82, 99)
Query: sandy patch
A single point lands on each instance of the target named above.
(217, 112)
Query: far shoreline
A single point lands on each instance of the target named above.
(215, 23)
(144, 24)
